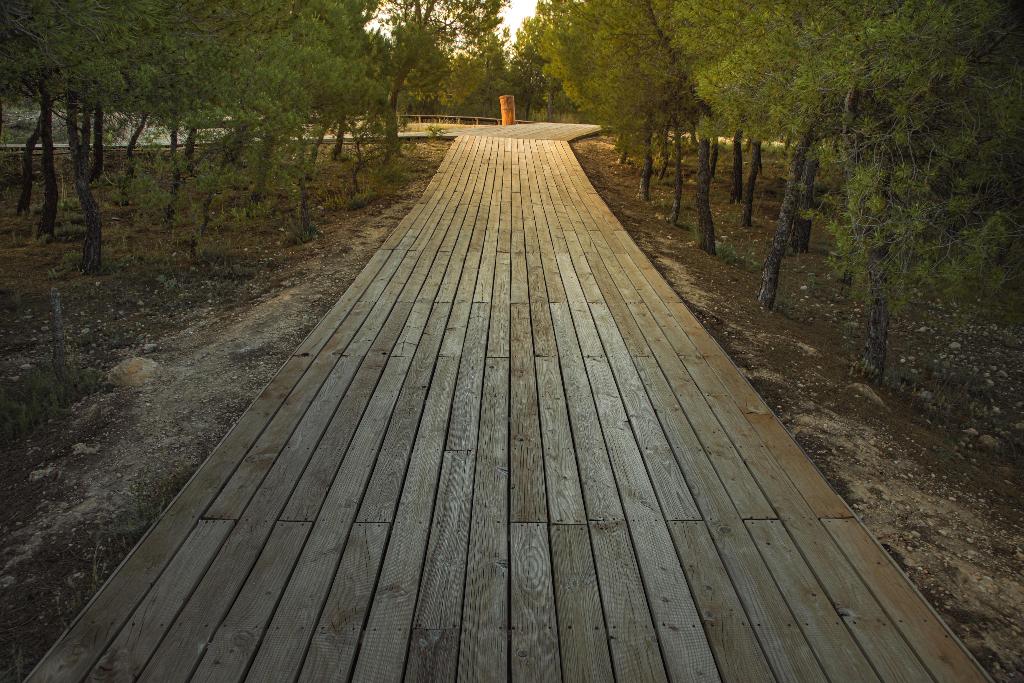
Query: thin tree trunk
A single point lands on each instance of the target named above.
(25, 199)
(175, 180)
(646, 171)
(777, 249)
(97, 144)
(392, 144)
(663, 153)
(748, 191)
(78, 142)
(876, 344)
(129, 152)
(737, 168)
(48, 218)
(677, 192)
(305, 221)
(551, 105)
(714, 159)
(705, 221)
(339, 141)
(801, 241)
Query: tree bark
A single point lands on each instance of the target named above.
(677, 190)
(646, 171)
(663, 153)
(339, 141)
(129, 152)
(78, 142)
(97, 144)
(25, 198)
(551, 105)
(705, 221)
(737, 168)
(714, 159)
(176, 178)
(876, 344)
(777, 249)
(748, 191)
(48, 218)
(801, 241)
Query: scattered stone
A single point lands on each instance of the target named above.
(6, 581)
(926, 396)
(149, 348)
(133, 372)
(988, 441)
(84, 449)
(954, 346)
(971, 431)
(867, 392)
(42, 473)
(26, 366)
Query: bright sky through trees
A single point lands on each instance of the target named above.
(517, 10)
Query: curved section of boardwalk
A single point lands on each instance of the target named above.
(509, 451)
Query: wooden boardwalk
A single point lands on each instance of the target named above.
(508, 452)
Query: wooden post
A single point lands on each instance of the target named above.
(508, 110)
(57, 328)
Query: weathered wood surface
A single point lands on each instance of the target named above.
(509, 452)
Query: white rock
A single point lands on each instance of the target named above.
(84, 449)
(867, 392)
(133, 372)
(42, 473)
(955, 346)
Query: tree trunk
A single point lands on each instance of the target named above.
(48, 218)
(129, 152)
(737, 168)
(705, 222)
(262, 169)
(176, 179)
(646, 171)
(78, 142)
(714, 159)
(25, 199)
(801, 241)
(392, 145)
(663, 153)
(748, 191)
(878, 317)
(305, 221)
(677, 192)
(339, 141)
(97, 144)
(551, 105)
(777, 249)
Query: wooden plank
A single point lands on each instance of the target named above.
(685, 650)
(781, 638)
(526, 467)
(939, 650)
(462, 435)
(132, 647)
(634, 642)
(483, 652)
(729, 630)
(836, 650)
(583, 639)
(598, 482)
(434, 643)
(534, 629)
(235, 641)
(391, 614)
(565, 497)
(332, 649)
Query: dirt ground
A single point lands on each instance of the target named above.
(80, 491)
(931, 460)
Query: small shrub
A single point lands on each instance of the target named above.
(39, 395)
(358, 201)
